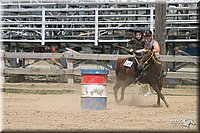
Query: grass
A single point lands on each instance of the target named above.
(40, 92)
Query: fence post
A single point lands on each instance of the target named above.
(43, 25)
(160, 26)
(70, 77)
(151, 19)
(96, 28)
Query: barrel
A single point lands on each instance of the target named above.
(93, 89)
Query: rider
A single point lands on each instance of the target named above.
(153, 45)
(138, 42)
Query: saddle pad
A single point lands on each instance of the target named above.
(128, 63)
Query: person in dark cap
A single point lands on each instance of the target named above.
(153, 44)
(138, 42)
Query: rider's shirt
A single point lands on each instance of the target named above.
(137, 44)
(151, 46)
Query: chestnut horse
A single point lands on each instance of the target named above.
(124, 76)
(150, 68)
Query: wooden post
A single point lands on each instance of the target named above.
(160, 25)
(70, 77)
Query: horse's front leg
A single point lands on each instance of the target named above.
(158, 100)
(160, 95)
(154, 86)
(159, 87)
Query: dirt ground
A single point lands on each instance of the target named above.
(63, 111)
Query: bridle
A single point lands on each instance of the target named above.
(146, 63)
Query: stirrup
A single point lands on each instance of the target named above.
(137, 82)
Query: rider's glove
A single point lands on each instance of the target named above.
(131, 50)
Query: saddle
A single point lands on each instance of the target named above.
(130, 62)
(133, 61)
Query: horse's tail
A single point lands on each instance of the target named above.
(119, 65)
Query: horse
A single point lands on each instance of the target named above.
(150, 68)
(124, 76)
(152, 73)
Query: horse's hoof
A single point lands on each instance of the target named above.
(120, 100)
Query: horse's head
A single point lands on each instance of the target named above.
(147, 56)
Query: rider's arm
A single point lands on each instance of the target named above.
(156, 47)
(145, 44)
(132, 44)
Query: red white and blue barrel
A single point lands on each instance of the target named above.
(93, 89)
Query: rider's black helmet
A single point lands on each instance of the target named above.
(139, 30)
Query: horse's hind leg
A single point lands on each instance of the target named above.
(160, 95)
(122, 93)
(115, 90)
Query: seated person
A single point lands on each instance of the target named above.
(138, 42)
(154, 46)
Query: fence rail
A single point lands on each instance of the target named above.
(70, 56)
(165, 58)
(42, 71)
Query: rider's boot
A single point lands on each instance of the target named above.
(138, 77)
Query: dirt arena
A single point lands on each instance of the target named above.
(22, 111)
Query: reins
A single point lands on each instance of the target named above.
(129, 51)
(147, 61)
(153, 57)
